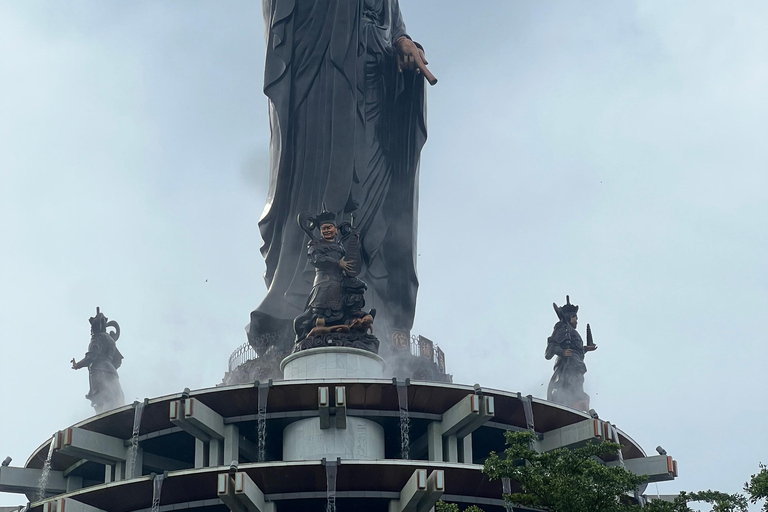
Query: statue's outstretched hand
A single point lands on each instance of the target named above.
(411, 57)
(74, 364)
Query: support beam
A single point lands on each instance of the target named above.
(450, 440)
(240, 494)
(197, 419)
(26, 480)
(487, 411)
(461, 415)
(413, 491)
(572, 435)
(341, 407)
(435, 490)
(658, 468)
(324, 407)
(420, 493)
(93, 446)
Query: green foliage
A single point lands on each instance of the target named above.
(757, 487)
(575, 480)
(564, 480)
(720, 501)
(441, 506)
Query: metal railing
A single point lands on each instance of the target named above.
(241, 355)
(245, 353)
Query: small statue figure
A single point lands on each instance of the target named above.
(566, 386)
(103, 359)
(334, 312)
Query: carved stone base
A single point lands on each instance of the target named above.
(352, 339)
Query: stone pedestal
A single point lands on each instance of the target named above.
(333, 363)
(362, 439)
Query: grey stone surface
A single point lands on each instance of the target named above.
(332, 362)
(361, 440)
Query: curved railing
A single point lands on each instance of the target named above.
(419, 347)
(241, 355)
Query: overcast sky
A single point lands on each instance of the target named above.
(613, 151)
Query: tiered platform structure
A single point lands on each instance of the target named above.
(334, 432)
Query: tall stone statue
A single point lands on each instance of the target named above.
(102, 359)
(566, 386)
(347, 114)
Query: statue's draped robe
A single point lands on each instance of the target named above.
(566, 386)
(346, 131)
(103, 359)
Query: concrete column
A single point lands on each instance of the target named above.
(466, 449)
(215, 453)
(119, 471)
(200, 454)
(451, 448)
(435, 441)
(231, 444)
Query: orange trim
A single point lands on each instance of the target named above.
(670, 465)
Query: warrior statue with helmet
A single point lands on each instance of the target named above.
(102, 359)
(334, 314)
(566, 387)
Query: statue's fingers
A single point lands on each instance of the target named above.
(423, 57)
(429, 76)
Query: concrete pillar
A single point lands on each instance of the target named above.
(200, 454)
(435, 441)
(231, 444)
(215, 452)
(451, 448)
(466, 449)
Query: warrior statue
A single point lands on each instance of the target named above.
(334, 312)
(566, 386)
(347, 115)
(103, 359)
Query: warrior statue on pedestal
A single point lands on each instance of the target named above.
(566, 386)
(334, 312)
(102, 359)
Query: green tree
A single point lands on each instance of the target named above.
(720, 501)
(564, 480)
(757, 487)
(441, 506)
(575, 480)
